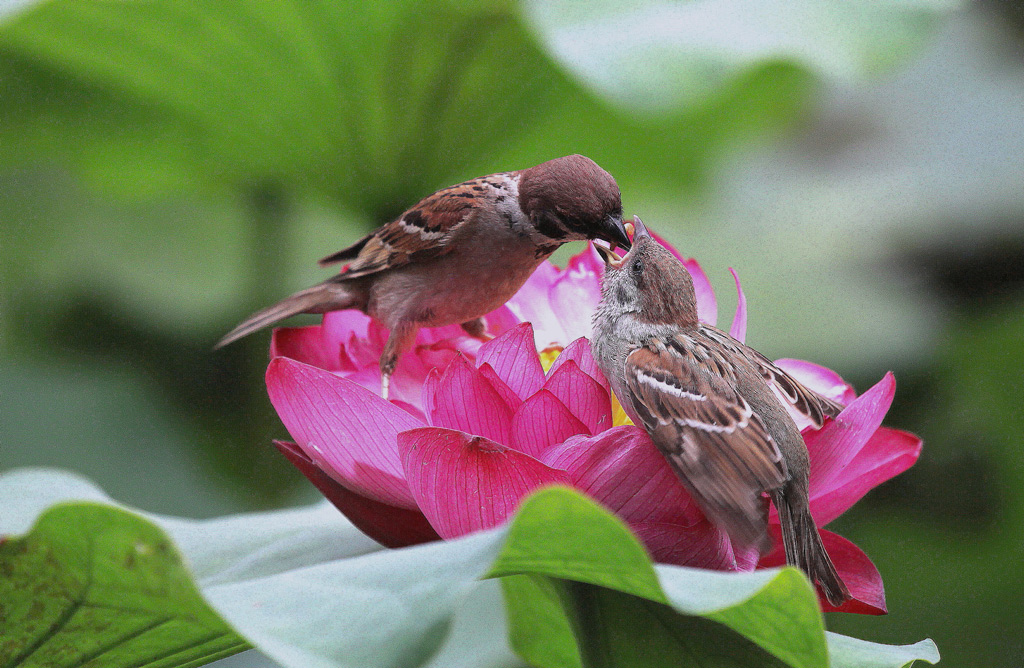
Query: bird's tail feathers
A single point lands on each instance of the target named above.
(321, 298)
(746, 524)
(805, 550)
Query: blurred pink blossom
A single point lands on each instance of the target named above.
(473, 428)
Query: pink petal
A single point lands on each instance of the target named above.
(582, 395)
(886, 454)
(513, 356)
(855, 568)
(746, 559)
(390, 526)
(429, 391)
(464, 400)
(466, 483)
(738, 330)
(699, 546)
(350, 343)
(541, 422)
(440, 353)
(450, 336)
(533, 304)
(367, 377)
(576, 292)
(306, 344)
(347, 430)
(500, 320)
(579, 351)
(340, 326)
(510, 398)
(623, 470)
(860, 575)
(707, 306)
(410, 409)
(836, 444)
(353, 334)
(356, 333)
(822, 380)
(406, 382)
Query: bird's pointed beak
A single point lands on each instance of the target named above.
(639, 229)
(615, 233)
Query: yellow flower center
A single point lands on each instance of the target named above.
(548, 357)
(619, 416)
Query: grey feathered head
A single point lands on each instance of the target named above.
(649, 282)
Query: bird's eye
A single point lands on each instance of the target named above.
(638, 267)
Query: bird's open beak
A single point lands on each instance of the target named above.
(610, 258)
(639, 231)
(615, 233)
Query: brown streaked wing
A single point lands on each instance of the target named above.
(424, 232)
(808, 402)
(710, 435)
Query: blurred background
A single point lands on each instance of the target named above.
(167, 167)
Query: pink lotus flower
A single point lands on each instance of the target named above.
(473, 428)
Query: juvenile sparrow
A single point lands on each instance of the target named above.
(460, 253)
(708, 403)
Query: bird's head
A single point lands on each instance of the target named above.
(648, 282)
(572, 198)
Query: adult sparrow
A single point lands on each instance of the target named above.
(461, 252)
(712, 405)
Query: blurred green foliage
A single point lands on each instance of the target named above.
(948, 535)
(166, 167)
